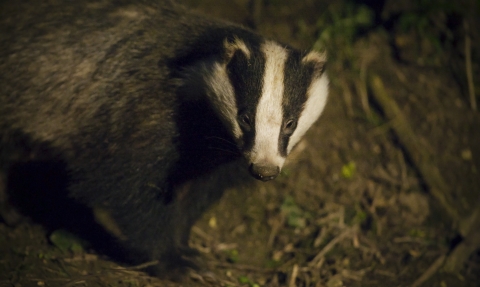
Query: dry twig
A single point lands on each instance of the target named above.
(347, 97)
(430, 271)
(294, 275)
(276, 225)
(421, 157)
(468, 66)
(361, 85)
(138, 267)
(331, 244)
(242, 267)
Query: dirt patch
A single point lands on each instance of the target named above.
(350, 207)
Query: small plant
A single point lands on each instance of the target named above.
(427, 22)
(339, 28)
(66, 241)
(348, 170)
(295, 216)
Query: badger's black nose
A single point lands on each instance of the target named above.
(264, 172)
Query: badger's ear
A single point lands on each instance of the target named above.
(232, 45)
(317, 59)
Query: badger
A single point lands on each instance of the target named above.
(153, 111)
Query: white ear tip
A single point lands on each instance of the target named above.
(316, 57)
(236, 44)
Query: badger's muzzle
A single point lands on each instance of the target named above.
(264, 172)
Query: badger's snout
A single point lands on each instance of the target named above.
(264, 172)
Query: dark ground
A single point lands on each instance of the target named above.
(352, 207)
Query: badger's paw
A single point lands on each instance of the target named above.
(181, 267)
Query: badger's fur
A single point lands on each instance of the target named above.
(145, 104)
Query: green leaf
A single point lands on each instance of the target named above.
(66, 241)
(243, 279)
(348, 170)
(233, 256)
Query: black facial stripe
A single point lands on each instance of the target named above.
(297, 79)
(246, 76)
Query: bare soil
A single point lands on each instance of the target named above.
(350, 207)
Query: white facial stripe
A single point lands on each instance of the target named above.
(269, 114)
(223, 98)
(317, 97)
(222, 95)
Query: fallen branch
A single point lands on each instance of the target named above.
(468, 227)
(471, 242)
(420, 156)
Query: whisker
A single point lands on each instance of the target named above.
(235, 152)
(222, 139)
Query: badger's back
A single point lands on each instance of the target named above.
(68, 68)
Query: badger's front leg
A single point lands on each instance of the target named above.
(158, 229)
(7, 212)
(136, 193)
(154, 230)
(197, 195)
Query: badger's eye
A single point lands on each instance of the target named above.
(289, 127)
(245, 121)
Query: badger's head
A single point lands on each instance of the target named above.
(268, 96)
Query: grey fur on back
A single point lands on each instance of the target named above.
(48, 54)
